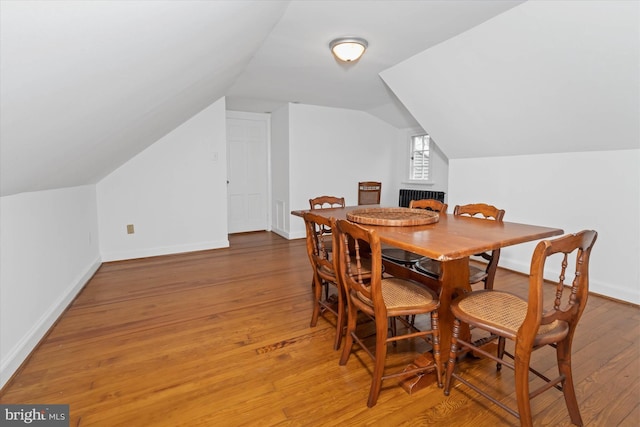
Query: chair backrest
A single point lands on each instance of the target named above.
(355, 244)
(369, 192)
(484, 211)
(319, 244)
(323, 202)
(569, 301)
(429, 204)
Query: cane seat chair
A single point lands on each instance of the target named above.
(407, 258)
(485, 275)
(369, 192)
(384, 300)
(319, 239)
(327, 202)
(531, 324)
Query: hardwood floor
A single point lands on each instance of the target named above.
(222, 338)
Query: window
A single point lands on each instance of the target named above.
(419, 152)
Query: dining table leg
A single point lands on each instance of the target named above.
(454, 280)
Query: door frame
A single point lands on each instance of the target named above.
(266, 118)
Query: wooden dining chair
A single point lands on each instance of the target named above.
(485, 275)
(408, 258)
(531, 324)
(369, 192)
(324, 202)
(320, 242)
(327, 202)
(382, 299)
(319, 239)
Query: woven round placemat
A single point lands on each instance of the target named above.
(393, 216)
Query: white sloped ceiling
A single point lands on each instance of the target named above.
(86, 85)
(544, 77)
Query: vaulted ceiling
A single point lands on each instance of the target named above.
(86, 85)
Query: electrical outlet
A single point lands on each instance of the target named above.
(130, 229)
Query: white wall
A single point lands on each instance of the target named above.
(331, 150)
(597, 190)
(280, 217)
(174, 193)
(48, 251)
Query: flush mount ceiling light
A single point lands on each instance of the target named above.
(348, 49)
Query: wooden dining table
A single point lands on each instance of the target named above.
(451, 240)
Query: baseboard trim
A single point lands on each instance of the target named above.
(295, 235)
(163, 250)
(287, 235)
(12, 362)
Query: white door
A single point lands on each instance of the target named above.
(247, 189)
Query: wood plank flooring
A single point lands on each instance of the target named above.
(222, 338)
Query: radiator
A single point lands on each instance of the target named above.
(407, 195)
